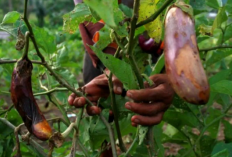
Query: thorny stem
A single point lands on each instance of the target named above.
(111, 135)
(26, 45)
(114, 107)
(156, 14)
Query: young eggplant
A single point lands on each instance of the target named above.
(182, 62)
(24, 101)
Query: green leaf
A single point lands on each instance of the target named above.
(158, 66)
(227, 131)
(126, 10)
(222, 146)
(223, 153)
(72, 19)
(222, 75)
(104, 8)
(206, 145)
(214, 3)
(220, 18)
(98, 131)
(214, 128)
(120, 69)
(217, 56)
(224, 86)
(228, 33)
(198, 6)
(45, 40)
(11, 17)
(180, 119)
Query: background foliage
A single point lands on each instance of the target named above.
(192, 130)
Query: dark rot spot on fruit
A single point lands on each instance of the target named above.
(176, 35)
(184, 34)
(204, 96)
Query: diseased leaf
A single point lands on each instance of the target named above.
(72, 19)
(154, 28)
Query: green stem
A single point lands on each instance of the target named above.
(150, 139)
(14, 61)
(32, 33)
(26, 45)
(215, 48)
(83, 148)
(156, 14)
(111, 135)
(51, 91)
(74, 141)
(54, 101)
(130, 48)
(114, 108)
(5, 111)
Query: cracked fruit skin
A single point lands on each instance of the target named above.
(182, 61)
(24, 101)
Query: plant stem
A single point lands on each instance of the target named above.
(214, 48)
(114, 107)
(111, 135)
(51, 91)
(74, 141)
(156, 14)
(150, 139)
(31, 32)
(133, 143)
(26, 45)
(83, 148)
(54, 101)
(5, 111)
(68, 130)
(14, 61)
(130, 48)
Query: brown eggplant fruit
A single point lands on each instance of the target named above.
(24, 101)
(182, 62)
